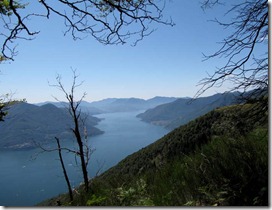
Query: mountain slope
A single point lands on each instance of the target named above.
(84, 106)
(220, 158)
(183, 110)
(129, 104)
(116, 104)
(26, 123)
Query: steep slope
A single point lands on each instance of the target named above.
(220, 158)
(26, 123)
(183, 110)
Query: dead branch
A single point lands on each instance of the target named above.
(107, 21)
(243, 69)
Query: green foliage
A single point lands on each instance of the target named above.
(237, 167)
(6, 9)
(6, 103)
(225, 171)
(2, 58)
(3, 113)
(183, 110)
(95, 201)
(218, 159)
(134, 196)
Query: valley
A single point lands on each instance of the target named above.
(137, 152)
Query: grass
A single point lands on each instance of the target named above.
(220, 159)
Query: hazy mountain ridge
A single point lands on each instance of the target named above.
(26, 123)
(117, 104)
(130, 104)
(183, 110)
(84, 106)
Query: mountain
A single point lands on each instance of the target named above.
(58, 104)
(219, 159)
(117, 104)
(26, 123)
(158, 100)
(84, 106)
(183, 110)
(120, 105)
(130, 104)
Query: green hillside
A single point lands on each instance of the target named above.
(220, 158)
(183, 110)
(26, 124)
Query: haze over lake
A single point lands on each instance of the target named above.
(26, 182)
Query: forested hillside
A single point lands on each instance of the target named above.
(183, 110)
(27, 124)
(218, 159)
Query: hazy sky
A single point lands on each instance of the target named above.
(166, 63)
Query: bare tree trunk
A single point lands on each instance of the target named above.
(80, 146)
(75, 113)
(64, 171)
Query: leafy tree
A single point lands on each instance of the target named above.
(245, 67)
(108, 21)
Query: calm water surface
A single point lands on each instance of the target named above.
(26, 179)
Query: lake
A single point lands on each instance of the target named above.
(27, 178)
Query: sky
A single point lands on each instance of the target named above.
(169, 62)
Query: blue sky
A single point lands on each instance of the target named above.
(166, 63)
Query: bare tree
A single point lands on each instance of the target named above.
(108, 21)
(79, 130)
(245, 67)
(59, 149)
(64, 169)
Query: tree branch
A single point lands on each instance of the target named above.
(108, 21)
(242, 68)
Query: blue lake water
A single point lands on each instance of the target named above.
(27, 179)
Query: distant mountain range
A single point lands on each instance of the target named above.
(28, 123)
(110, 105)
(183, 110)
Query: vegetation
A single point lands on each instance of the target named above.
(26, 124)
(183, 110)
(5, 103)
(3, 112)
(218, 159)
